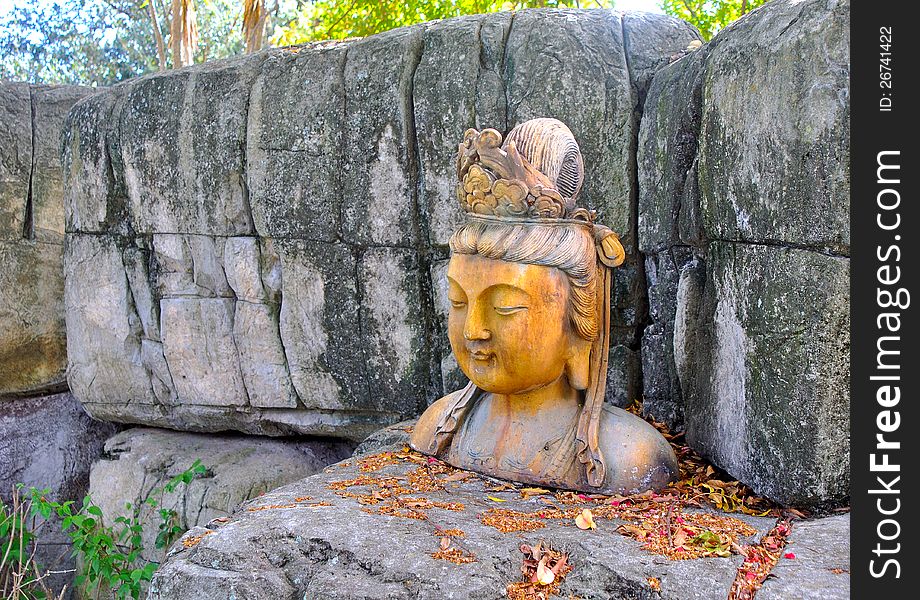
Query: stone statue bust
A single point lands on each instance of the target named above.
(529, 286)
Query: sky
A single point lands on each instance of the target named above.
(646, 5)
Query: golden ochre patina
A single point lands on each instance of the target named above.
(529, 288)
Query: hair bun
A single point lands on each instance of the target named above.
(548, 145)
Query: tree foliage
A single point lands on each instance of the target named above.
(100, 42)
(340, 19)
(709, 16)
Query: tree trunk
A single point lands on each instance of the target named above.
(183, 33)
(253, 24)
(158, 35)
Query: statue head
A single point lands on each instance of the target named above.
(529, 282)
(523, 307)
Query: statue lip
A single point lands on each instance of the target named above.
(481, 355)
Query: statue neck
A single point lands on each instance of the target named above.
(555, 398)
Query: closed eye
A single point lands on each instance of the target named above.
(509, 310)
(457, 303)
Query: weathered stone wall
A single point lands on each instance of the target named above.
(256, 244)
(49, 442)
(744, 224)
(33, 356)
(259, 244)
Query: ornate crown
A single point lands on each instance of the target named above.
(536, 174)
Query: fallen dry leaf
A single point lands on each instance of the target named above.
(527, 492)
(454, 555)
(585, 520)
(552, 567)
(545, 576)
(759, 562)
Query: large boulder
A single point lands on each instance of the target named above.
(743, 169)
(33, 356)
(33, 346)
(50, 443)
(138, 461)
(256, 244)
(329, 536)
(763, 355)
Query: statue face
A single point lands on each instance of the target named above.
(508, 324)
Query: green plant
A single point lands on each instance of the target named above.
(112, 556)
(21, 577)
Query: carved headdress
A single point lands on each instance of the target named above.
(531, 181)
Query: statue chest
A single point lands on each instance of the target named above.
(510, 446)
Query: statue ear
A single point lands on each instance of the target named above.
(578, 366)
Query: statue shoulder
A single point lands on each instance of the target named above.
(424, 429)
(637, 456)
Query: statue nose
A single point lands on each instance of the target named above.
(477, 335)
(474, 329)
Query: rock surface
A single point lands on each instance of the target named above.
(290, 544)
(32, 336)
(819, 565)
(49, 442)
(744, 222)
(255, 244)
(765, 365)
(138, 462)
(16, 158)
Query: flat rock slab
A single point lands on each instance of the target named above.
(305, 540)
(818, 563)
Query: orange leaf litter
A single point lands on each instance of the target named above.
(660, 521)
(192, 541)
(759, 560)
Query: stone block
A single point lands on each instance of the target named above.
(320, 324)
(262, 361)
(766, 359)
(779, 172)
(553, 57)
(15, 158)
(200, 348)
(394, 329)
(91, 204)
(138, 461)
(182, 139)
(104, 333)
(33, 347)
(189, 265)
(380, 166)
(666, 155)
(50, 106)
(821, 567)
(652, 41)
(294, 141)
(457, 85)
(242, 264)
